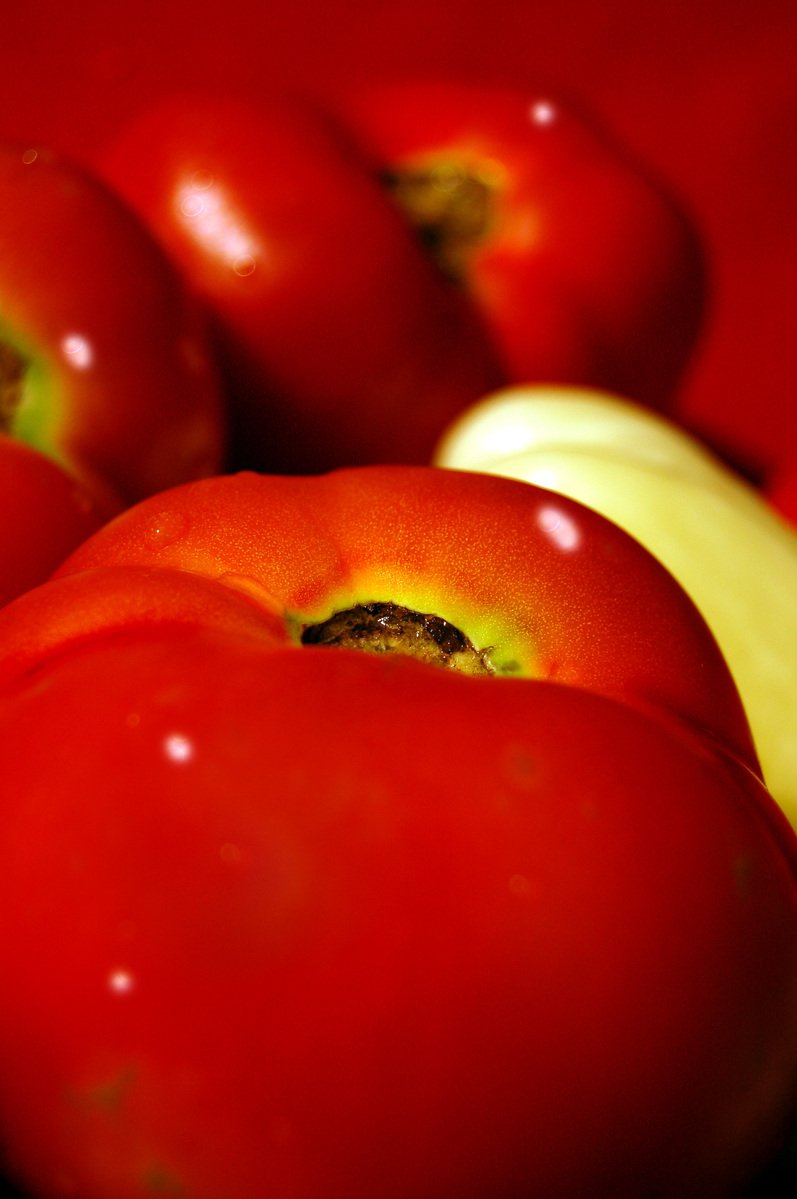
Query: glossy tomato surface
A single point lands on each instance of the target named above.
(327, 924)
(706, 93)
(579, 261)
(537, 581)
(290, 919)
(106, 363)
(341, 341)
(46, 514)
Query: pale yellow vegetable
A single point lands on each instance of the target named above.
(728, 548)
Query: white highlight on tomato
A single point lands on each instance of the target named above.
(559, 528)
(542, 112)
(121, 982)
(178, 748)
(207, 213)
(77, 350)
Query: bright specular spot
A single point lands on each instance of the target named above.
(542, 112)
(121, 982)
(208, 213)
(77, 350)
(559, 528)
(178, 747)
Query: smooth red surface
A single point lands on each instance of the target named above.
(45, 515)
(705, 92)
(275, 914)
(341, 342)
(485, 939)
(119, 381)
(782, 491)
(585, 270)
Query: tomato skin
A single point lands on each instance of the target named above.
(344, 340)
(342, 344)
(119, 382)
(291, 909)
(706, 93)
(586, 269)
(781, 492)
(46, 516)
(455, 543)
(441, 927)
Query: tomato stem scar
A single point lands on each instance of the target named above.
(450, 207)
(385, 627)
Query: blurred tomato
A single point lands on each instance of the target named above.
(706, 93)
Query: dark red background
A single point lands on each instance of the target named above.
(704, 90)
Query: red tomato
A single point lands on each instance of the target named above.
(347, 340)
(105, 361)
(46, 515)
(704, 92)
(583, 268)
(284, 918)
(342, 343)
(781, 491)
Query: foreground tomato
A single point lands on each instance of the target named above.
(286, 919)
(583, 268)
(105, 364)
(342, 343)
(46, 516)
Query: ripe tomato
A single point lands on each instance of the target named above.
(582, 265)
(47, 515)
(288, 919)
(106, 363)
(341, 341)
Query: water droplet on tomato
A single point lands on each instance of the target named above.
(202, 180)
(167, 528)
(244, 265)
(192, 205)
(230, 854)
(520, 886)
